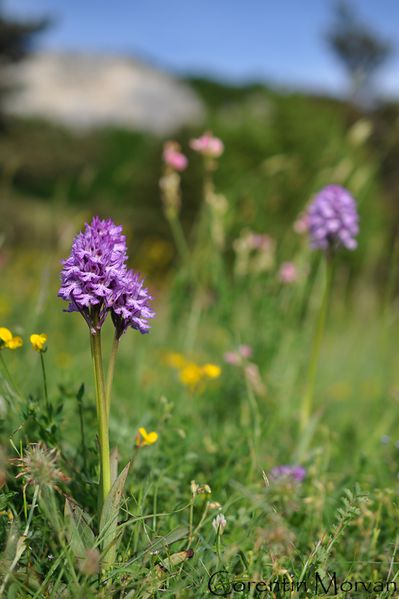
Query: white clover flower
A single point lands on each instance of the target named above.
(219, 524)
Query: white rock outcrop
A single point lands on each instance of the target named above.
(85, 91)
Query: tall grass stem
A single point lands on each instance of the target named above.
(44, 383)
(179, 238)
(307, 402)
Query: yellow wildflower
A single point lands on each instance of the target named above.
(5, 335)
(191, 374)
(38, 341)
(8, 340)
(212, 371)
(14, 343)
(143, 438)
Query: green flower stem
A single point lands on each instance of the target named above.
(307, 402)
(208, 188)
(200, 523)
(256, 420)
(44, 382)
(102, 416)
(191, 521)
(219, 549)
(390, 279)
(12, 387)
(110, 373)
(178, 236)
(5, 367)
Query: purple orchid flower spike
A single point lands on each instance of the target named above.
(333, 219)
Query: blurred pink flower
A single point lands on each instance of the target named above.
(232, 357)
(235, 358)
(173, 157)
(301, 224)
(254, 378)
(251, 372)
(208, 145)
(288, 273)
(257, 241)
(245, 351)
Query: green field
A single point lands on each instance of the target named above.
(228, 430)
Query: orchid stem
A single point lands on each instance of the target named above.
(307, 402)
(102, 415)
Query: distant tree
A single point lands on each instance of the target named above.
(360, 49)
(16, 42)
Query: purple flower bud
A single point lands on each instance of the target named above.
(131, 306)
(333, 220)
(295, 473)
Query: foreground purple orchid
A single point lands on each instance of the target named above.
(96, 282)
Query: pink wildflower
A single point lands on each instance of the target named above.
(301, 224)
(288, 273)
(208, 145)
(173, 157)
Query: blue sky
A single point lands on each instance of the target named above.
(280, 41)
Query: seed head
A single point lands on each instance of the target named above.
(39, 467)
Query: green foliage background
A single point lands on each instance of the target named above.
(280, 149)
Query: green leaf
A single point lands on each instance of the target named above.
(163, 542)
(109, 516)
(79, 533)
(81, 392)
(114, 460)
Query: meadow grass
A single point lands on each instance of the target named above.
(225, 432)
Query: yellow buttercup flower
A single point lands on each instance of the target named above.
(14, 343)
(212, 371)
(191, 375)
(8, 340)
(38, 341)
(5, 335)
(143, 438)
